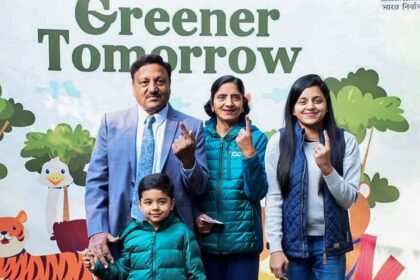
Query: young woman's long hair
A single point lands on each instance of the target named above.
(288, 141)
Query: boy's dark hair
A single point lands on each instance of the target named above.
(157, 181)
(150, 59)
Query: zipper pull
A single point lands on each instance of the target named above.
(324, 259)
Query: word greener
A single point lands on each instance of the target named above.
(160, 23)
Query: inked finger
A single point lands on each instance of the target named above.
(327, 140)
(248, 123)
(184, 130)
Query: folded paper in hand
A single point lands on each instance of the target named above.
(211, 221)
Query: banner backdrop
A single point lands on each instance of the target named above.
(64, 64)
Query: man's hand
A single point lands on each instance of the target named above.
(322, 155)
(184, 147)
(244, 140)
(279, 264)
(99, 250)
(202, 226)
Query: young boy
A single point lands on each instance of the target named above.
(160, 247)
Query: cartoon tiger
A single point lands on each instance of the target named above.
(16, 263)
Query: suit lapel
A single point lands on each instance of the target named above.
(131, 120)
(170, 130)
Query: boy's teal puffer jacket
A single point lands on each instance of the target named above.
(171, 252)
(236, 186)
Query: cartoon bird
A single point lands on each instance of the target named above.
(56, 176)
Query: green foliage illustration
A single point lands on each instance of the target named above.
(12, 115)
(71, 147)
(356, 112)
(380, 190)
(366, 80)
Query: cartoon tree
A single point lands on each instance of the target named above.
(73, 148)
(12, 115)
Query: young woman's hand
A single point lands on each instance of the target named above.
(279, 264)
(322, 155)
(202, 226)
(244, 140)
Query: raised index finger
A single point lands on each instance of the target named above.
(184, 130)
(327, 140)
(248, 123)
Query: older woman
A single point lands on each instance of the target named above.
(228, 216)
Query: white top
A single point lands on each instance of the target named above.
(344, 188)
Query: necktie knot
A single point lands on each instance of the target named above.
(149, 121)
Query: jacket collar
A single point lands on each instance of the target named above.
(300, 133)
(210, 127)
(144, 225)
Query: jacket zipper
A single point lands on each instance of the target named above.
(228, 163)
(301, 208)
(154, 255)
(219, 189)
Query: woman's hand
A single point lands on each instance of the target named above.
(202, 226)
(322, 154)
(279, 264)
(244, 140)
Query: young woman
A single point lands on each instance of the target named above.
(313, 171)
(228, 216)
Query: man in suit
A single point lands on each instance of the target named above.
(178, 151)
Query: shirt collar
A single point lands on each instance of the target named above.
(159, 116)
